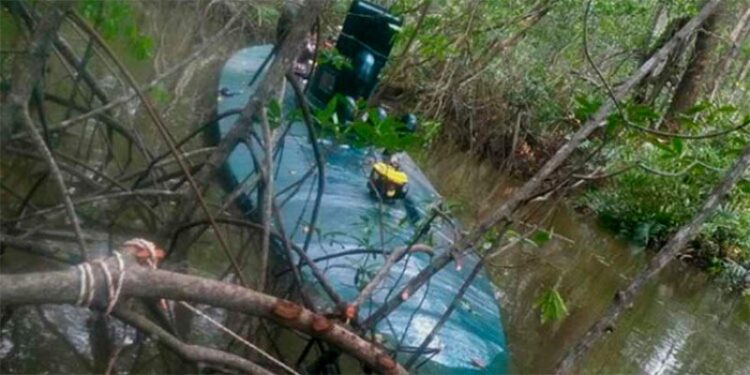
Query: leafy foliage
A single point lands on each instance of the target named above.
(116, 19)
(333, 57)
(551, 306)
(669, 181)
(369, 128)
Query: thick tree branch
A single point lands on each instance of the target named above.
(624, 298)
(501, 218)
(63, 287)
(267, 89)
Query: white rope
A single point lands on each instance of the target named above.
(82, 288)
(86, 293)
(152, 260)
(86, 290)
(120, 278)
(90, 276)
(239, 338)
(145, 245)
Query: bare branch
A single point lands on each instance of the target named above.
(502, 217)
(193, 353)
(624, 298)
(62, 287)
(25, 76)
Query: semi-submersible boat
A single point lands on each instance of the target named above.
(365, 208)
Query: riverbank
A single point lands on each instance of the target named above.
(713, 252)
(684, 322)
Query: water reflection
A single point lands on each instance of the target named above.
(681, 323)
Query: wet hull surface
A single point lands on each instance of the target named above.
(472, 341)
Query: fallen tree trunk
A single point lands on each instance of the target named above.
(502, 217)
(64, 287)
(624, 298)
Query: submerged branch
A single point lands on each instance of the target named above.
(16, 110)
(501, 218)
(190, 352)
(624, 298)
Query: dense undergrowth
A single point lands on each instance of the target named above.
(662, 186)
(509, 80)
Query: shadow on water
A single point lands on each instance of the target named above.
(57, 339)
(682, 323)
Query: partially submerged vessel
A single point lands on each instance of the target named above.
(359, 222)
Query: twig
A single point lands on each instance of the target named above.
(444, 318)
(26, 73)
(238, 338)
(193, 353)
(319, 159)
(667, 253)
(163, 130)
(289, 256)
(619, 108)
(266, 90)
(60, 287)
(128, 97)
(267, 197)
(88, 200)
(501, 218)
(319, 276)
(182, 142)
(394, 257)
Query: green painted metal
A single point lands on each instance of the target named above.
(472, 341)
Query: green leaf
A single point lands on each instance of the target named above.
(274, 114)
(586, 106)
(613, 121)
(677, 146)
(540, 237)
(160, 94)
(551, 306)
(727, 109)
(668, 148)
(642, 114)
(364, 131)
(334, 58)
(511, 234)
(142, 46)
(700, 107)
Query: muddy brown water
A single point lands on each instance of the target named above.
(684, 322)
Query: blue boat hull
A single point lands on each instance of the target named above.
(472, 340)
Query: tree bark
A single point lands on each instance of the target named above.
(63, 287)
(15, 107)
(736, 37)
(502, 216)
(624, 298)
(689, 88)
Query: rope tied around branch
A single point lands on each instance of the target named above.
(145, 253)
(87, 283)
